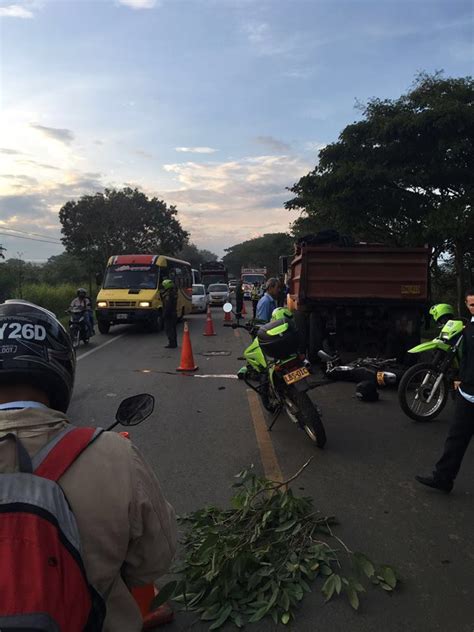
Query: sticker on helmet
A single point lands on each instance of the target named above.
(18, 331)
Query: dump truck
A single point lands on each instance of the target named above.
(365, 298)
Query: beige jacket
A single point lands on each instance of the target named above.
(127, 528)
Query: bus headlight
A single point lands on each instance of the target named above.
(102, 304)
(144, 304)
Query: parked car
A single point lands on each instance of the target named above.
(218, 293)
(200, 298)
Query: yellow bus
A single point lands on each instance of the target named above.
(130, 290)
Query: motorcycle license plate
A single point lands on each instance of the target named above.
(122, 316)
(296, 376)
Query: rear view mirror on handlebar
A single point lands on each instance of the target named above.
(227, 307)
(134, 410)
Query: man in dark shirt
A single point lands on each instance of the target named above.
(462, 427)
(169, 297)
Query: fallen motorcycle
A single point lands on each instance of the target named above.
(380, 371)
(280, 376)
(424, 388)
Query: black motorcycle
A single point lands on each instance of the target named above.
(78, 326)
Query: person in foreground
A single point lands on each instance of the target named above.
(462, 427)
(127, 529)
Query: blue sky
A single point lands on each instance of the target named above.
(213, 105)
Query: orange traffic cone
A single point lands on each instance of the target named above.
(244, 309)
(187, 360)
(227, 317)
(144, 595)
(209, 330)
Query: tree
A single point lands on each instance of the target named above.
(259, 252)
(191, 253)
(2, 250)
(119, 222)
(64, 268)
(402, 175)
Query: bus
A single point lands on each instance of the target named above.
(130, 290)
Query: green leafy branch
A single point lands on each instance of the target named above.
(260, 557)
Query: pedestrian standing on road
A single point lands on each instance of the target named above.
(268, 303)
(169, 296)
(126, 528)
(239, 299)
(255, 296)
(462, 427)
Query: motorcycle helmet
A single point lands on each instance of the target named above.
(281, 312)
(366, 391)
(442, 312)
(81, 292)
(36, 349)
(167, 284)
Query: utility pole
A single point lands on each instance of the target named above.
(20, 274)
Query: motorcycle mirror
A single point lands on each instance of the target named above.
(135, 409)
(227, 307)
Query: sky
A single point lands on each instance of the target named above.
(216, 106)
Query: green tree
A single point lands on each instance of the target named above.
(64, 268)
(119, 222)
(402, 175)
(190, 252)
(259, 252)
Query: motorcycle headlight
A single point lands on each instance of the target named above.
(102, 304)
(144, 304)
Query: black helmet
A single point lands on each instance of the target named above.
(36, 349)
(366, 391)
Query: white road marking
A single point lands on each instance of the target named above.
(227, 377)
(104, 344)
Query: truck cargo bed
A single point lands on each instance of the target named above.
(359, 273)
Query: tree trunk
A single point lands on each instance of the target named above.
(459, 266)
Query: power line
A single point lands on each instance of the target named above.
(44, 241)
(25, 232)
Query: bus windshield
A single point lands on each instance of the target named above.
(123, 277)
(253, 278)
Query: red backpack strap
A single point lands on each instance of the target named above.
(60, 453)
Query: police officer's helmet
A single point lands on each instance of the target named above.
(167, 284)
(36, 349)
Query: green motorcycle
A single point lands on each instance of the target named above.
(424, 388)
(280, 377)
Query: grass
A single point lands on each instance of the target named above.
(56, 298)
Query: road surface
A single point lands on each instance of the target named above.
(205, 429)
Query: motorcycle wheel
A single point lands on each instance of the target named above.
(76, 338)
(413, 394)
(307, 416)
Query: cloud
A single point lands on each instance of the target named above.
(139, 4)
(15, 11)
(10, 152)
(223, 203)
(35, 163)
(144, 154)
(273, 143)
(56, 133)
(267, 43)
(196, 150)
(314, 146)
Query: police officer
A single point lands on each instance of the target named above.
(462, 427)
(169, 296)
(239, 299)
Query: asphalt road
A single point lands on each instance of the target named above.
(203, 432)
